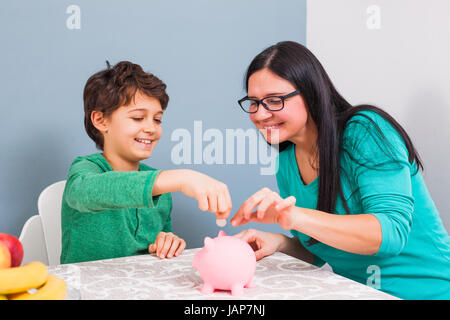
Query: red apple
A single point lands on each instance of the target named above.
(15, 248)
(5, 256)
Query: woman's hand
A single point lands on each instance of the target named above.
(167, 245)
(211, 194)
(271, 209)
(263, 243)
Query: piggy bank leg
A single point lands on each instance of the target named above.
(207, 288)
(237, 289)
(250, 284)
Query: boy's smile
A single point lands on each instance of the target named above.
(131, 132)
(145, 143)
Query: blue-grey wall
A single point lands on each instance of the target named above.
(200, 48)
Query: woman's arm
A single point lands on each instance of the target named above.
(359, 233)
(294, 248)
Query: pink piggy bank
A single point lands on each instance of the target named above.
(225, 263)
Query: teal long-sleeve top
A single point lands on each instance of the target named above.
(108, 214)
(413, 261)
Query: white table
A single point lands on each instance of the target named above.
(144, 277)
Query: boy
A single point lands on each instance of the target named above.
(113, 205)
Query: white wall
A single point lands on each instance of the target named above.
(394, 54)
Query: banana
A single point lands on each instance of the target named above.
(53, 289)
(19, 279)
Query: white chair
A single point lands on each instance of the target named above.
(33, 241)
(41, 234)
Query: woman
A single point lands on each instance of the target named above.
(350, 187)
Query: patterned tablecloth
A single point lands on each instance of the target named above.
(278, 276)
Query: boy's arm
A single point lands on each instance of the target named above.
(168, 181)
(168, 225)
(211, 194)
(89, 189)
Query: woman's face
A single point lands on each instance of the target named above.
(291, 122)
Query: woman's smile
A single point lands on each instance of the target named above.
(271, 126)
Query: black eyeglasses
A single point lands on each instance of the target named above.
(271, 103)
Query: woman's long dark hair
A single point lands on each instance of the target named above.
(329, 110)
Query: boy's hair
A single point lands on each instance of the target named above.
(113, 87)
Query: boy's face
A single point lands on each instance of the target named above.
(133, 131)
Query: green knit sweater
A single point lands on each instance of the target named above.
(108, 214)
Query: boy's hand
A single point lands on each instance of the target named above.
(167, 245)
(211, 194)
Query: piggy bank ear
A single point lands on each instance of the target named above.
(209, 243)
(222, 233)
